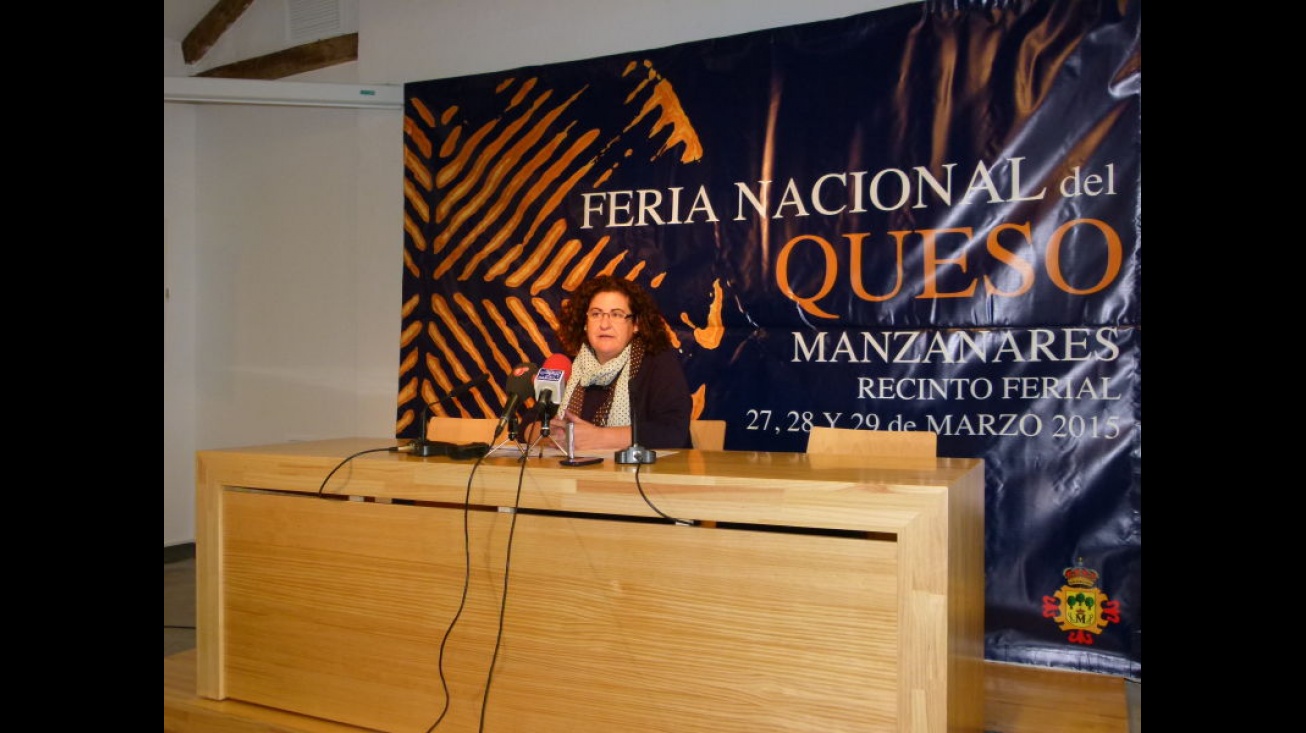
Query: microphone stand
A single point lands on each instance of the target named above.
(636, 453)
(427, 448)
(514, 430)
(548, 410)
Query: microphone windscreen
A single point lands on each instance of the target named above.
(559, 362)
(551, 379)
(519, 388)
(521, 381)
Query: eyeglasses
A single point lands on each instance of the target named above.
(618, 315)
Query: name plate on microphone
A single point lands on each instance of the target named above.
(549, 375)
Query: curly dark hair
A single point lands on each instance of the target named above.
(652, 327)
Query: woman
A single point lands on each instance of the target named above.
(623, 367)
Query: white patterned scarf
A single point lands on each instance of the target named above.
(586, 371)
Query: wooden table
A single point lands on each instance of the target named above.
(807, 592)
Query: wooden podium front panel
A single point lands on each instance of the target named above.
(328, 593)
(337, 609)
(620, 626)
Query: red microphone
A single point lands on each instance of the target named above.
(550, 384)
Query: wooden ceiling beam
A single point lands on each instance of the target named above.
(296, 60)
(210, 28)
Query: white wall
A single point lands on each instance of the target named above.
(283, 235)
(178, 322)
(417, 40)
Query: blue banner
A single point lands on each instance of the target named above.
(920, 218)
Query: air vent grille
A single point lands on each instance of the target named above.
(312, 20)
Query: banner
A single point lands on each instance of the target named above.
(920, 218)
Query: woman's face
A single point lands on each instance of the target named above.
(609, 333)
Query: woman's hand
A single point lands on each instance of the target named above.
(529, 433)
(588, 436)
(558, 425)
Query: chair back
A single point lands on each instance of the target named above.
(916, 443)
(461, 429)
(708, 434)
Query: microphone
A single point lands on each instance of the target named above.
(426, 448)
(478, 381)
(519, 388)
(550, 385)
(636, 453)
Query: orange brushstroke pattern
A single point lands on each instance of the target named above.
(698, 400)
(404, 421)
(505, 330)
(410, 332)
(582, 269)
(503, 196)
(633, 273)
(710, 334)
(554, 270)
(414, 232)
(432, 399)
(417, 200)
(454, 168)
(611, 267)
(474, 318)
(409, 306)
(464, 340)
(542, 307)
(438, 374)
(669, 114)
(492, 314)
(518, 309)
(550, 205)
(521, 94)
(410, 265)
(474, 188)
(409, 361)
(536, 258)
(508, 201)
(493, 207)
(422, 111)
(418, 136)
(408, 390)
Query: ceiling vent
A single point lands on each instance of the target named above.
(312, 20)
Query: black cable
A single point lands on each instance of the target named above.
(503, 602)
(664, 515)
(507, 566)
(347, 459)
(462, 602)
